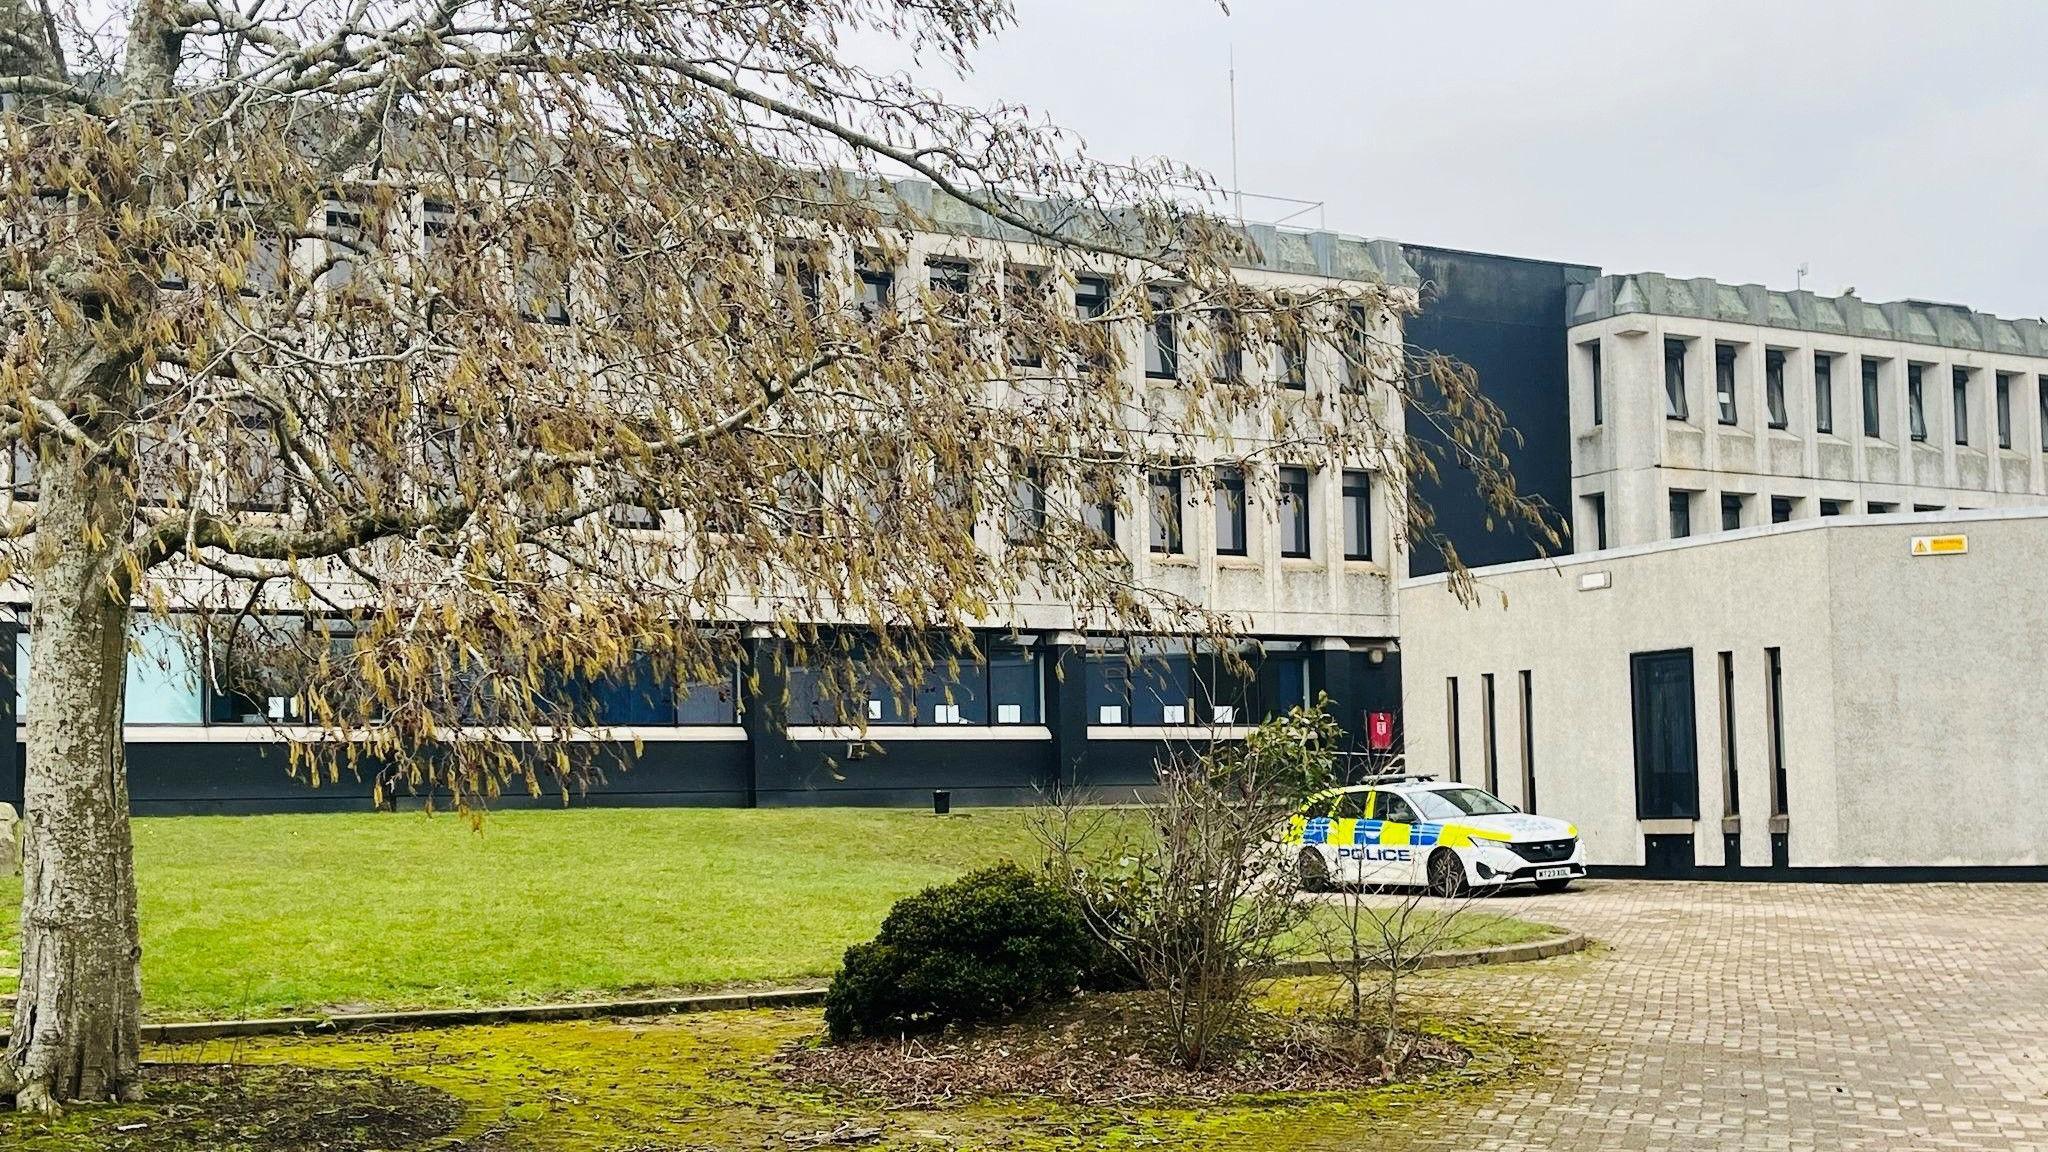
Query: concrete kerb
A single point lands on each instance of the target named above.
(807, 997)
(1454, 958)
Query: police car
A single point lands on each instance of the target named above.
(1416, 831)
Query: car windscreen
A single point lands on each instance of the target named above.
(1451, 803)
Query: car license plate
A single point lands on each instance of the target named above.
(1552, 873)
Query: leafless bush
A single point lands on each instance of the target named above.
(1198, 905)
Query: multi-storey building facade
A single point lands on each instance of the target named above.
(1699, 407)
(1303, 558)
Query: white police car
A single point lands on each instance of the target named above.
(1414, 831)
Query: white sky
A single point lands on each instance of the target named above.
(1898, 148)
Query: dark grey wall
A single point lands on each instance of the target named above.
(1506, 318)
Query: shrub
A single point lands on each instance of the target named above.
(979, 948)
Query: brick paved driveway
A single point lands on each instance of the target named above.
(1772, 1017)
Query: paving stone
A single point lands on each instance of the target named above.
(1769, 1017)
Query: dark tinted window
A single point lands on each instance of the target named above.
(1666, 738)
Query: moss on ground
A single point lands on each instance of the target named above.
(707, 1082)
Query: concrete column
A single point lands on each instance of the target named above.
(1066, 707)
(1330, 663)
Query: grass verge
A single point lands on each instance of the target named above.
(285, 915)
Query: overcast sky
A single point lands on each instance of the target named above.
(1901, 149)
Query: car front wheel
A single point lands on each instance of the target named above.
(1312, 872)
(1446, 875)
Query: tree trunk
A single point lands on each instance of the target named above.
(77, 1023)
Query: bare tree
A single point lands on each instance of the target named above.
(1199, 904)
(516, 346)
(1375, 935)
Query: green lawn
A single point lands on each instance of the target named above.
(270, 915)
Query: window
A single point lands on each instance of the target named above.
(1666, 740)
(1960, 391)
(709, 701)
(1681, 513)
(1833, 507)
(2002, 409)
(1162, 337)
(1724, 381)
(163, 675)
(1357, 515)
(1294, 523)
(1393, 809)
(1016, 687)
(1881, 508)
(256, 670)
(1290, 356)
(1229, 348)
(1487, 742)
(1593, 379)
(2041, 387)
(1674, 379)
(1165, 485)
(1023, 303)
(1528, 742)
(21, 480)
(1927, 507)
(1823, 393)
(1098, 508)
(1091, 303)
(1871, 425)
(543, 286)
(1026, 521)
(953, 690)
(1731, 793)
(344, 239)
(1230, 518)
(1774, 667)
(1456, 765)
(951, 283)
(1781, 509)
(802, 285)
(1596, 512)
(1731, 511)
(1916, 403)
(1774, 388)
(877, 293)
(1157, 681)
(1354, 346)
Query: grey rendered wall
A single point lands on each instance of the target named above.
(1741, 594)
(1942, 695)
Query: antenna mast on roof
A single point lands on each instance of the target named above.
(1236, 186)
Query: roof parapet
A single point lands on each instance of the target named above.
(1281, 249)
(1913, 321)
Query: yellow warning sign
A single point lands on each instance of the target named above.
(1941, 545)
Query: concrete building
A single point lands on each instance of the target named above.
(1855, 692)
(1700, 407)
(1043, 701)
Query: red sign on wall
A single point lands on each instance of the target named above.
(1379, 731)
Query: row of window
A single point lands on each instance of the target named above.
(1489, 734)
(258, 676)
(543, 293)
(1738, 510)
(1293, 509)
(1667, 733)
(1963, 383)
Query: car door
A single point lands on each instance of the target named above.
(1402, 860)
(1311, 825)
